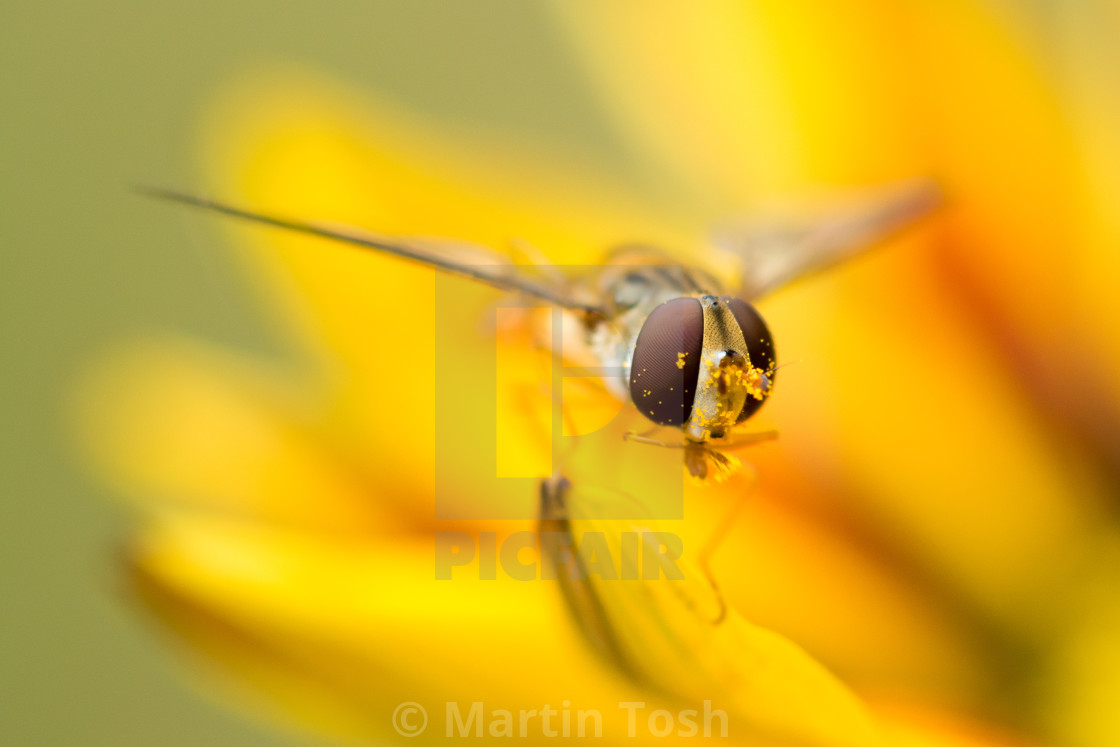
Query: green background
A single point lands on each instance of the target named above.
(98, 96)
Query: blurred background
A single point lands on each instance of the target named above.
(99, 97)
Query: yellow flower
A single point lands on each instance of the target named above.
(922, 530)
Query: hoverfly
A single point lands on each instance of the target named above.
(689, 353)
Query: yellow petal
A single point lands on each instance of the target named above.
(737, 101)
(1033, 232)
(185, 424)
(910, 726)
(797, 570)
(902, 408)
(662, 623)
(335, 634)
(1080, 705)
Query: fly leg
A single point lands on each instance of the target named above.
(719, 534)
(646, 437)
(706, 460)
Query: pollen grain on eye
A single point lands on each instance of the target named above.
(680, 359)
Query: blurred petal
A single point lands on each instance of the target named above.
(335, 634)
(903, 409)
(1031, 237)
(1083, 673)
(739, 101)
(185, 424)
(782, 565)
(916, 727)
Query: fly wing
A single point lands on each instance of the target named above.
(455, 257)
(775, 253)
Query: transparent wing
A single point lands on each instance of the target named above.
(456, 257)
(776, 252)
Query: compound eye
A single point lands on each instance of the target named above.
(760, 346)
(666, 363)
